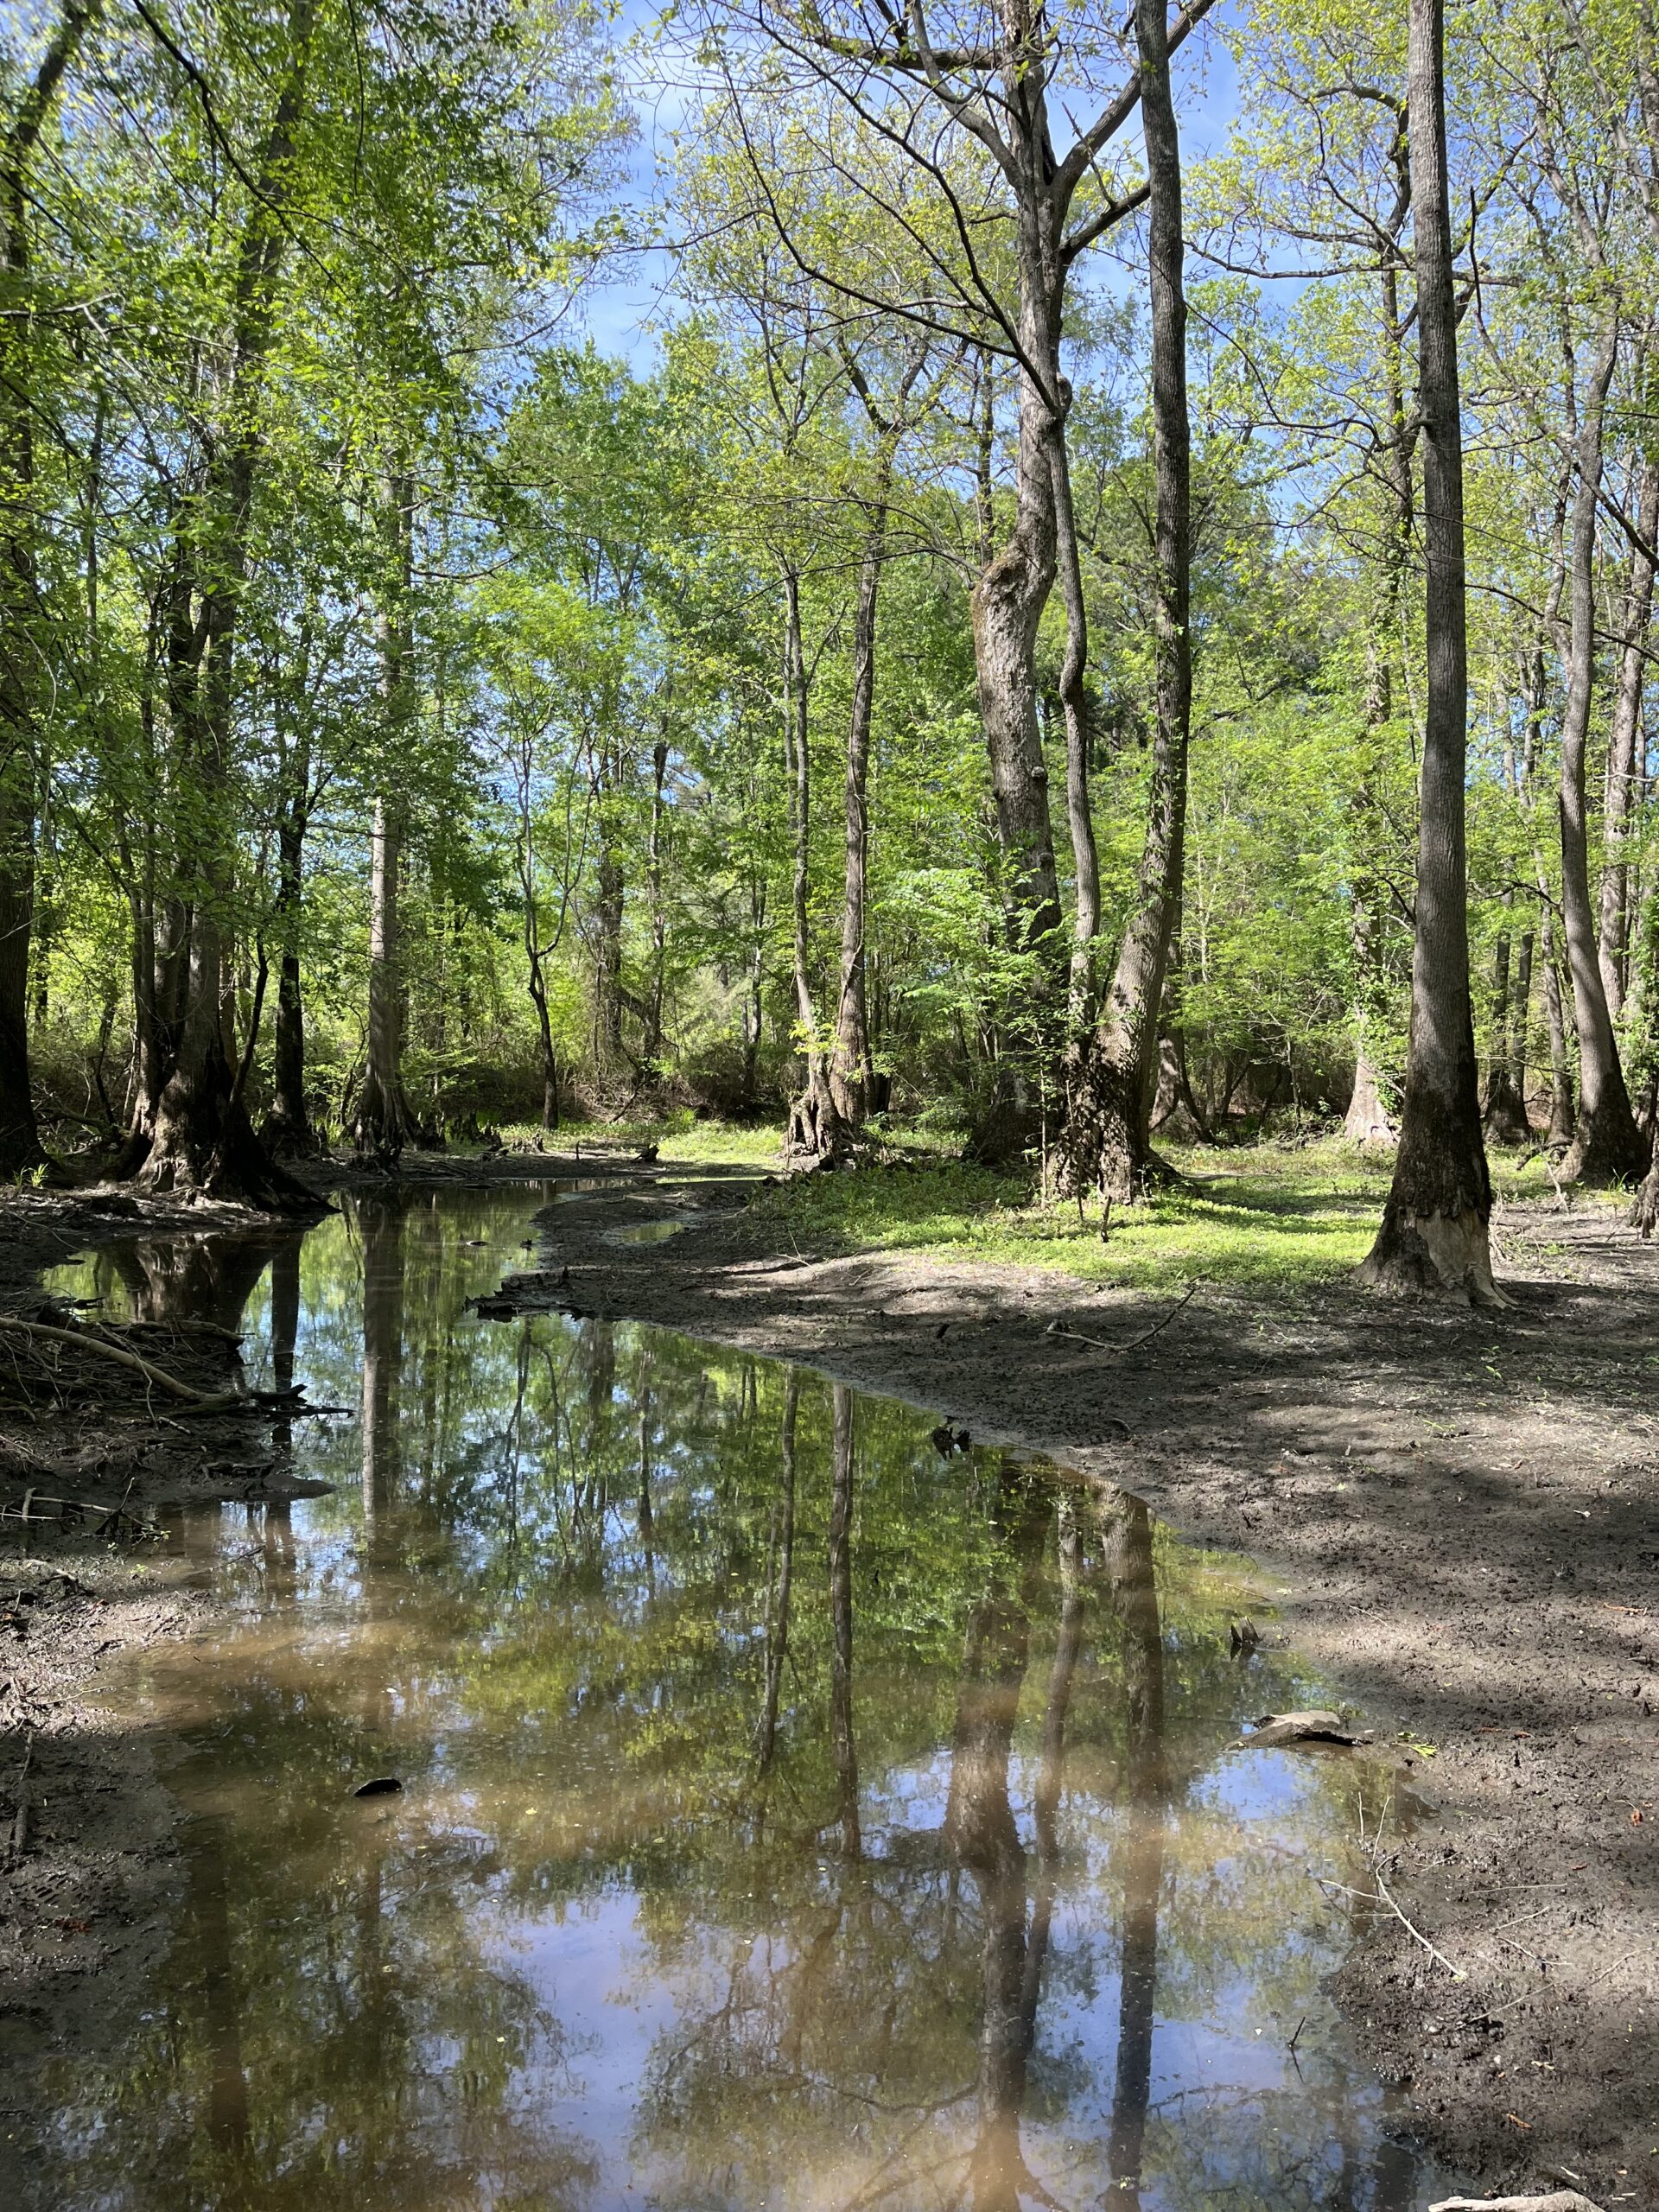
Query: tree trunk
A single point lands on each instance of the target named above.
(1367, 1120)
(1559, 1134)
(610, 1054)
(288, 1131)
(1624, 747)
(1608, 1147)
(1505, 1114)
(850, 1072)
(536, 953)
(1520, 1020)
(383, 1124)
(1433, 1234)
(609, 902)
(1007, 607)
(1107, 1144)
(1644, 1208)
(1074, 702)
(653, 1043)
(20, 642)
(815, 1127)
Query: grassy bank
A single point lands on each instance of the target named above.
(1266, 1217)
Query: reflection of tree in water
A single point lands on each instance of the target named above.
(907, 1768)
(337, 2033)
(207, 1278)
(381, 1226)
(841, 1616)
(1132, 1595)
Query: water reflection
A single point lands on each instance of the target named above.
(792, 1818)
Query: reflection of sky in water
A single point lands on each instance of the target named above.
(590, 1957)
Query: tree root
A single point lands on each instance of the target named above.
(154, 1378)
(1432, 1255)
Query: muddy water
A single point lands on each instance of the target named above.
(790, 1817)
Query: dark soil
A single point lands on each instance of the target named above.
(1459, 1511)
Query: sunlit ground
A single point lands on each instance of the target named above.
(1267, 1217)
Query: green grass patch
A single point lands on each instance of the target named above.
(1285, 1220)
(681, 1137)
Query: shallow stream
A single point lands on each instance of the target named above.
(791, 1816)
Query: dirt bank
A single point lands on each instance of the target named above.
(1463, 1510)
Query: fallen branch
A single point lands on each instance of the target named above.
(107, 1513)
(1382, 1893)
(157, 1377)
(17, 1836)
(1559, 2199)
(1100, 1344)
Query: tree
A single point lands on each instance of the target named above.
(1433, 1234)
(21, 645)
(1109, 1104)
(987, 96)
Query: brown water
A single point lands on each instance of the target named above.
(792, 1817)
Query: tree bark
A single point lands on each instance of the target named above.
(609, 904)
(1007, 607)
(384, 1124)
(653, 1043)
(536, 952)
(1368, 1121)
(20, 611)
(1433, 1235)
(1107, 1144)
(1644, 1207)
(850, 1072)
(288, 1130)
(1504, 1112)
(1624, 763)
(1562, 1113)
(1608, 1147)
(1074, 704)
(815, 1127)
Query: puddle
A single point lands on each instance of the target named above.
(645, 1232)
(792, 1817)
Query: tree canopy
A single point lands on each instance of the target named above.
(980, 661)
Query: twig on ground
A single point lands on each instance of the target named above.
(1384, 1895)
(1076, 1336)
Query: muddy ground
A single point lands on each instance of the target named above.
(91, 1452)
(1459, 1510)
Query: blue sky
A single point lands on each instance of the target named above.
(623, 312)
